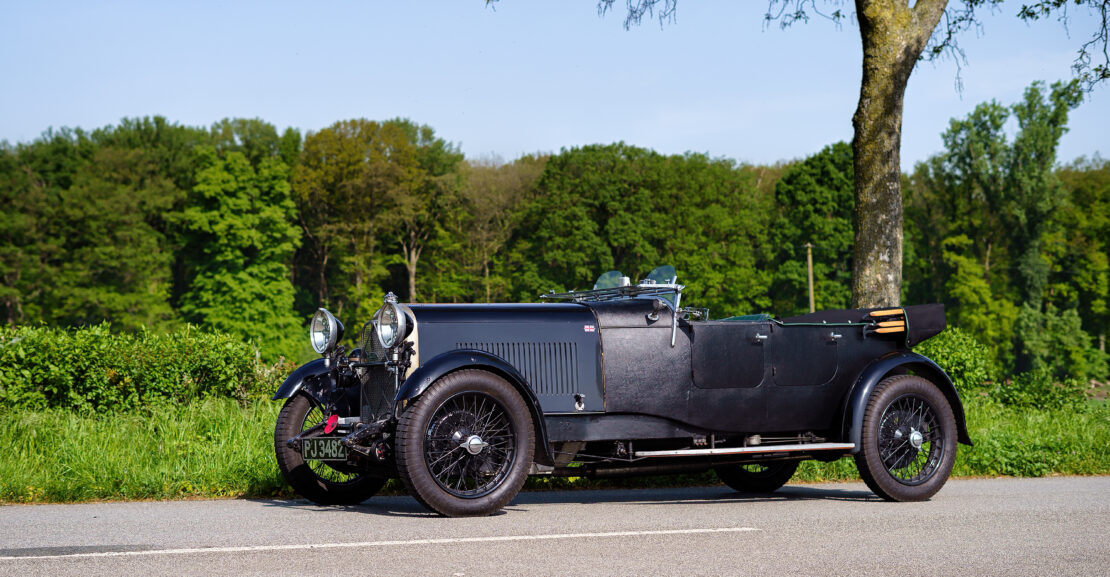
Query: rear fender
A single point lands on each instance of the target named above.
(898, 364)
(451, 361)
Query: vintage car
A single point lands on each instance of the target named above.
(463, 402)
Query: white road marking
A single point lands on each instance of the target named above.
(258, 548)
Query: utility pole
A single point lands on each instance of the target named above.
(809, 265)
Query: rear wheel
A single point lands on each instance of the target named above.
(317, 481)
(465, 446)
(757, 477)
(908, 442)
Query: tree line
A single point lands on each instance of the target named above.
(245, 229)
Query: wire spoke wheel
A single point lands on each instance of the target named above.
(908, 435)
(468, 445)
(465, 446)
(908, 439)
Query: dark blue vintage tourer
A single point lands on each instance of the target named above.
(463, 402)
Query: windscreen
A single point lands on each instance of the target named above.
(611, 279)
(663, 275)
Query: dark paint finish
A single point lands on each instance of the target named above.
(614, 426)
(892, 364)
(556, 348)
(293, 383)
(728, 377)
(730, 354)
(450, 361)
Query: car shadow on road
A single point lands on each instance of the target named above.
(693, 495)
(403, 506)
(392, 506)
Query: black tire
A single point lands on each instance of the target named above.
(317, 481)
(757, 477)
(908, 442)
(465, 446)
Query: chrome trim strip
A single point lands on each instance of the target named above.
(769, 449)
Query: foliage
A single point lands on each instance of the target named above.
(151, 224)
(223, 448)
(620, 207)
(967, 361)
(1080, 249)
(84, 238)
(239, 240)
(815, 204)
(205, 448)
(1038, 390)
(93, 369)
(1057, 346)
(973, 306)
(465, 264)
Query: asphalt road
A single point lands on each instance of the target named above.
(1053, 526)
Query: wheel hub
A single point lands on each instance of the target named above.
(916, 439)
(474, 444)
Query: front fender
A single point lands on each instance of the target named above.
(898, 363)
(451, 361)
(314, 377)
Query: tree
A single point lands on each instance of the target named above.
(257, 139)
(815, 204)
(85, 237)
(240, 231)
(1013, 186)
(467, 256)
(621, 207)
(425, 188)
(363, 188)
(341, 201)
(1080, 249)
(1005, 227)
(895, 36)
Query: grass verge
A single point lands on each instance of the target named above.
(222, 448)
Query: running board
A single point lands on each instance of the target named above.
(756, 449)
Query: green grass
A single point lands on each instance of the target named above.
(221, 448)
(215, 448)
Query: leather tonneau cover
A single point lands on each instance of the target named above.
(924, 322)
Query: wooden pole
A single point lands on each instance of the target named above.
(809, 265)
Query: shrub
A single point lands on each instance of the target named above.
(91, 368)
(1036, 390)
(1055, 342)
(966, 360)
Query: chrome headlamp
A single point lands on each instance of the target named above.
(324, 331)
(389, 322)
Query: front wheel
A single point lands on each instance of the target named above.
(757, 477)
(317, 481)
(465, 446)
(908, 442)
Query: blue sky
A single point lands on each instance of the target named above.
(527, 76)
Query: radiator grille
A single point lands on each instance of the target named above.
(370, 344)
(550, 368)
(378, 390)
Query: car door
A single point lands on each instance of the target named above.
(804, 362)
(729, 365)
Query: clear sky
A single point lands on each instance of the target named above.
(525, 76)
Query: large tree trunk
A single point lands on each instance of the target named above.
(893, 37)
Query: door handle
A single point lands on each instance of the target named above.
(835, 336)
(760, 337)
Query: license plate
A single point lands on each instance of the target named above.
(323, 449)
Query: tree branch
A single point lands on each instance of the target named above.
(637, 9)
